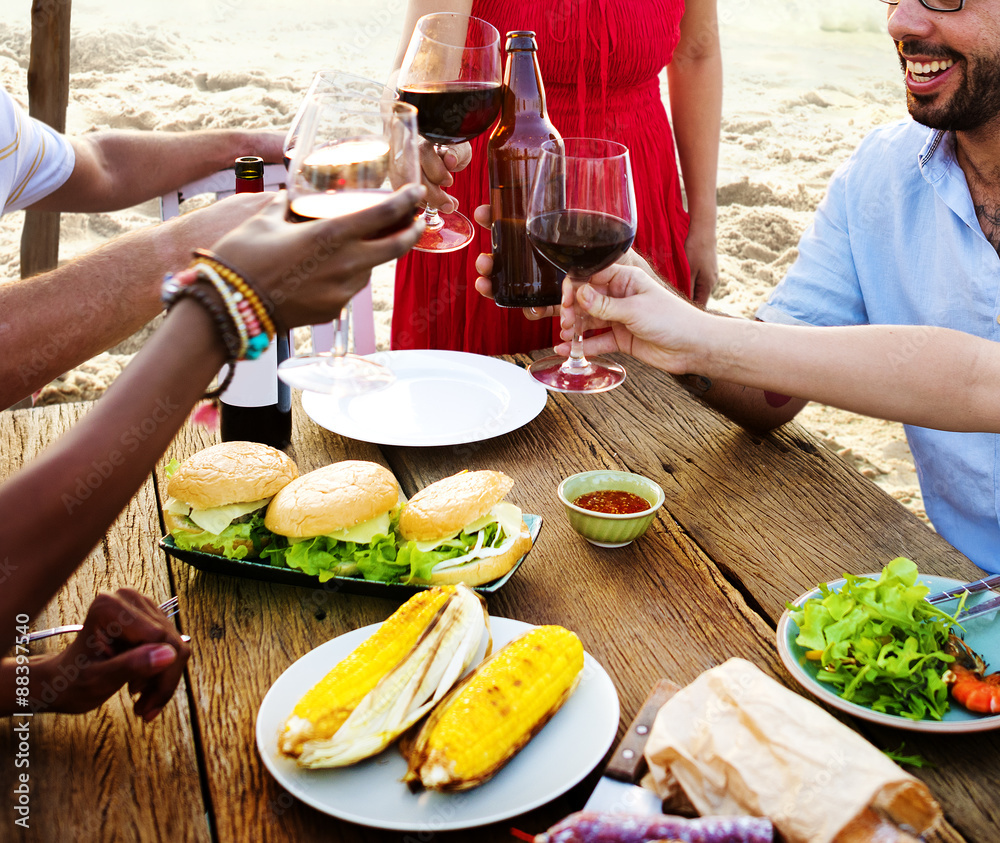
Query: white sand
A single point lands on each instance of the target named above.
(803, 85)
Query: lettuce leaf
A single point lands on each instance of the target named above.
(252, 529)
(420, 564)
(326, 557)
(879, 642)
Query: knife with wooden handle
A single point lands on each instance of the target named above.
(617, 790)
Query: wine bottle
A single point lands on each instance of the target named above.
(257, 406)
(521, 278)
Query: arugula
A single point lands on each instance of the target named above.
(879, 643)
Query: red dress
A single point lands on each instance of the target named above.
(601, 62)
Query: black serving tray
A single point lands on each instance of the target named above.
(256, 570)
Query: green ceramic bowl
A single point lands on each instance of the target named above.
(604, 529)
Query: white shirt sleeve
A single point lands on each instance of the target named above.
(35, 159)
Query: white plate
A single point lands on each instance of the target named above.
(438, 398)
(981, 634)
(371, 793)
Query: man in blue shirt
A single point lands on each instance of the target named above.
(908, 234)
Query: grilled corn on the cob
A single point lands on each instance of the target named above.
(429, 623)
(496, 710)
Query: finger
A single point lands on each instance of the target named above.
(434, 168)
(358, 225)
(484, 286)
(533, 314)
(483, 215)
(457, 158)
(484, 264)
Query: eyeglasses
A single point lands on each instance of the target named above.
(935, 5)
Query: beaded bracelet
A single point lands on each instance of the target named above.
(176, 287)
(206, 273)
(240, 282)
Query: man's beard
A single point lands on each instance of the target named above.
(973, 105)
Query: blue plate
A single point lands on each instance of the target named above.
(255, 569)
(982, 634)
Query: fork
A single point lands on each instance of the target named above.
(168, 607)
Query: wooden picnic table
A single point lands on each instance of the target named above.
(749, 523)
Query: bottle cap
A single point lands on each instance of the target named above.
(250, 167)
(521, 39)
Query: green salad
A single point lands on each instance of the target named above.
(879, 643)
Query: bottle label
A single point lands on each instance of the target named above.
(255, 383)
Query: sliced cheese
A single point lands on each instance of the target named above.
(216, 519)
(364, 532)
(361, 533)
(506, 514)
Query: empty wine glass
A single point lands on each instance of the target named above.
(351, 153)
(451, 73)
(581, 219)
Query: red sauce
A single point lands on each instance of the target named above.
(612, 501)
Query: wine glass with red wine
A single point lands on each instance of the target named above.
(581, 219)
(352, 152)
(451, 73)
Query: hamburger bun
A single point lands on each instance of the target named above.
(223, 475)
(445, 507)
(231, 472)
(331, 498)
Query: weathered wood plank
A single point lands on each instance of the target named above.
(48, 96)
(777, 515)
(105, 773)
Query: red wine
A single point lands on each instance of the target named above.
(256, 406)
(454, 112)
(325, 206)
(580, 242)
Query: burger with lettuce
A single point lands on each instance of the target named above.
(218, 497)
(336, 521)
(460, 529)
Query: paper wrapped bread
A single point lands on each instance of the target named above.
(738, 742)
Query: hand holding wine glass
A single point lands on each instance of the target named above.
(581, 218)
(452, 74)
(351, 153)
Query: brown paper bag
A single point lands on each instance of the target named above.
(738, 742)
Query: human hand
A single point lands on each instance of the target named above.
(437, 172)
(704, 264)
(265, 143)
(484, 266)
(309, 270)
(126, 638)
(647, 320)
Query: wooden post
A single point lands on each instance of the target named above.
(48, 96)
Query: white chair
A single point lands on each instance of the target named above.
(222, 184)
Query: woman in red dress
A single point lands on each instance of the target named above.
(600, 63)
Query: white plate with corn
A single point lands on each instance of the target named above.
(372, 792)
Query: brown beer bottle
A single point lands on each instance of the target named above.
(521, 278)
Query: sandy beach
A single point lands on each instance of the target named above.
(802, 87)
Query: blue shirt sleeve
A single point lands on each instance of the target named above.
(822, 286)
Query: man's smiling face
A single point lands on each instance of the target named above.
(951, 61)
